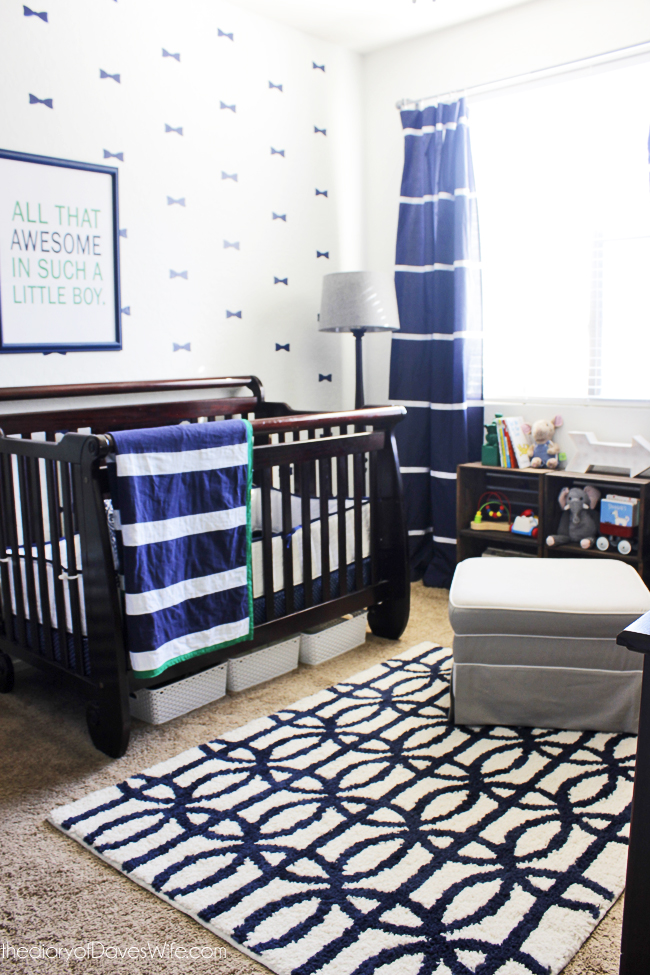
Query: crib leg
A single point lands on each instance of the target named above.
(389, 619)
(109, 724)
(6, 673)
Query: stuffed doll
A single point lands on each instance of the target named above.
(577, 523)
(543, 453)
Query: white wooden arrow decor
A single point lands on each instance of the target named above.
(590, 452)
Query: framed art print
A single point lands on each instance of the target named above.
(59, 255)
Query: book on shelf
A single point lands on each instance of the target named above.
(511, 451)
(519, 440)
(504, 456)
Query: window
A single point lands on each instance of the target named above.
(564, 209)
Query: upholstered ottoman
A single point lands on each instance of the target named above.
(535, 643)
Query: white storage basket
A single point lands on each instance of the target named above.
(331, 639)
(160, 704)
(263, 664)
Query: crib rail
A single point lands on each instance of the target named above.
(375, 416)
(9, 393)
(118, 417)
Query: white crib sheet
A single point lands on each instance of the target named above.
(278, 542)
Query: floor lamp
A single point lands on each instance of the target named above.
(359, 302)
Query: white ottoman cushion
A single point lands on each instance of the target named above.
(535, 642)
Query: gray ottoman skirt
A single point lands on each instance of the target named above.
(539, 668)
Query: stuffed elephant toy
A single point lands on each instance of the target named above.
(577, 523)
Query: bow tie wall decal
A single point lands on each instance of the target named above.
(113, 155)
(178, 274)
(105, 74)
(33, 100)
(233, 108)
(123, 232)
(278, 347)
(233, 314)
(277, 152)
(322, 378)
(271, 85)
(281, 281)
(180, 202)
(170, 128)
(187, 347)
(323, 254)
(232, 176)
(280, 216)
(33, 13)
(166, 54)
(322, 131)
(318, 67)
(227, 244)
(321, 192)
(221, 33)
(126, 311)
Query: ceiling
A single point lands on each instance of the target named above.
(366, 25)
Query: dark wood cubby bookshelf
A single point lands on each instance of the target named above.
(539, 490)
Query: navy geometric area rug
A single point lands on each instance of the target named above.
(357, 833)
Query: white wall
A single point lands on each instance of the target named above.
(534, 35)
(61, 59)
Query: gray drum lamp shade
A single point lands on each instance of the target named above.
(358, 300)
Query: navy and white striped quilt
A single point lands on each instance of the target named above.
(182, 509)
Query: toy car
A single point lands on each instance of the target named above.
(526, 524)
(619, 519)
(603, 542)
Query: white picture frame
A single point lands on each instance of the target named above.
(59, 255)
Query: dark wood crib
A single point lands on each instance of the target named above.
(53, 484)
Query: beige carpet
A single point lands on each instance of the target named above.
(52, 892)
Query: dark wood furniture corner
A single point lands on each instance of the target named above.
(539, 490)
(634, 487)
(523, 488)
(635, 940)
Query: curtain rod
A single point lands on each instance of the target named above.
(598, 59)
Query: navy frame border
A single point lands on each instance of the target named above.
(115, 346)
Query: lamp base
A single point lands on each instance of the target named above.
(359, 399)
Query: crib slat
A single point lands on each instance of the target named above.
(359, 478)
(36, 499)
(9, 504)
(305, 510)
(311, 480)
(54, 509)
(28, 558)
(72, 572)
(325, 479)
(341, 495)
(5, 560)
(287, 536)
(328, 432)
(374, 501)
(267, 544)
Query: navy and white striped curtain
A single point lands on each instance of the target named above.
(436, 362)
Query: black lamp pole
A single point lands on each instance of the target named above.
(359, 400)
